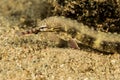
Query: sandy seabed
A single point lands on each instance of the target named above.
(28, 58)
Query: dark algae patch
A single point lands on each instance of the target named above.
(103, 16)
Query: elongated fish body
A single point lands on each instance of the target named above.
(102, 41)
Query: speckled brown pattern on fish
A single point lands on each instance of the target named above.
(83, 34)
